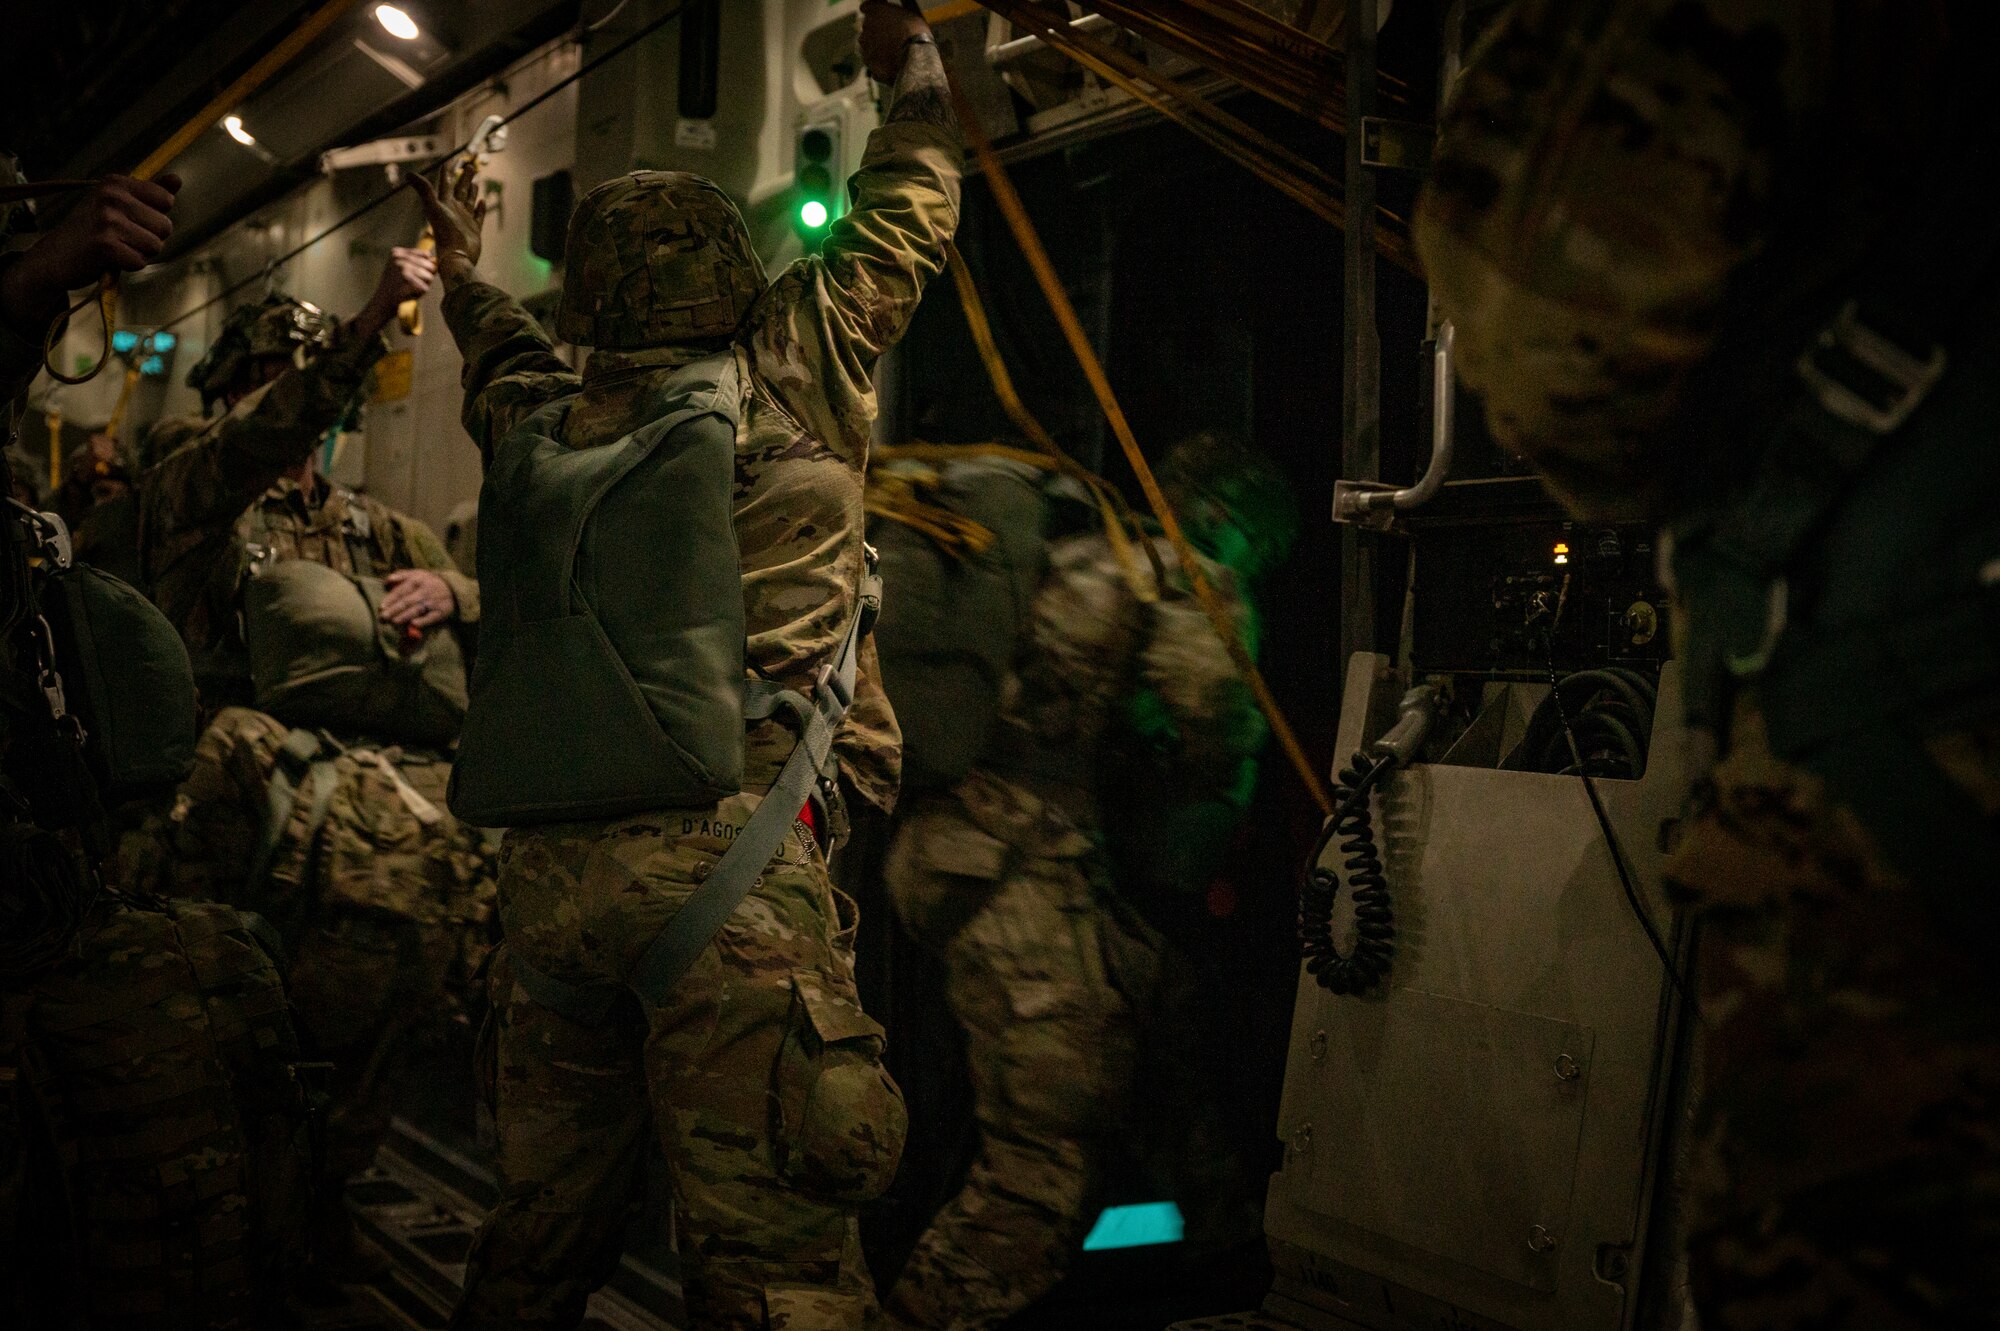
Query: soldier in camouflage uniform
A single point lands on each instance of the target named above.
(1728, 266)
(377, 932)
(1006, 879)
(152, 1110)
(660, 274)
(250, 477)
(385, 905)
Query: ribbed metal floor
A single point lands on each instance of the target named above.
(421, 1203)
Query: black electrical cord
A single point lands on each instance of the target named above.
(1604, 819)
(1612, 716)
(1367, 965)
(644, 31)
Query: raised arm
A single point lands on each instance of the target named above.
(120, 226)
(511, 369)
(209, 482)
(841, 309)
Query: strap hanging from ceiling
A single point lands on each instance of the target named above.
(1294, 175)
(1026, 236)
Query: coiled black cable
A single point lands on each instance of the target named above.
(1609, 713)
(1365, 967)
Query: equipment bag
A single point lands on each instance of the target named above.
(952, 615)
(163, 1109)
(350, 827)
(610, 676)
(320, 655)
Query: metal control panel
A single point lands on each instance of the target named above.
(1496, 562)
(1477, 1143)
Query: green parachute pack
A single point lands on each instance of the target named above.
(320, 655)
(953, 610)
(607, 683)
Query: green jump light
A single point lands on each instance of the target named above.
(813, 168)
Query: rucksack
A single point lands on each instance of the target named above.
(158, 1116)
(952, 613)
(306, 824)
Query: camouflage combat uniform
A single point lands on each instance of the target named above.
(761, 1074)
(153, 1108)
(153, 1126)
(379, 927)
(1637, 271)
(1005, 879)
(385, 910)
(222, 483)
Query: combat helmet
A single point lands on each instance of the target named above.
(655, 258)
(276, 326)
(1250, 492)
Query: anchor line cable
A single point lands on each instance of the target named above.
(239, 88)
(646, 30)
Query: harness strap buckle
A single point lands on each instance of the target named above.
(1864, 377)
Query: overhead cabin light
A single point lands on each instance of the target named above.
(234, 124)
(396, 22)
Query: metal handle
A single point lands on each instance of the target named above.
(1358, 501)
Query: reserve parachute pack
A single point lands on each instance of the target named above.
(610, 676)
(320, 654)
(125, 688)
(957, 600)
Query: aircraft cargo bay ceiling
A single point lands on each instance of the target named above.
(109, 80)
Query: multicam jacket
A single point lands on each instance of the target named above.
(1094, 658)
(221, 486)
(805, 351)
(1624, 264)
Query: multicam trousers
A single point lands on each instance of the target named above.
(1052, 1044)
(760, 1073)
(1846, 1155)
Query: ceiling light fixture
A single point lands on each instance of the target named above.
(234, 124)
(397, 23)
